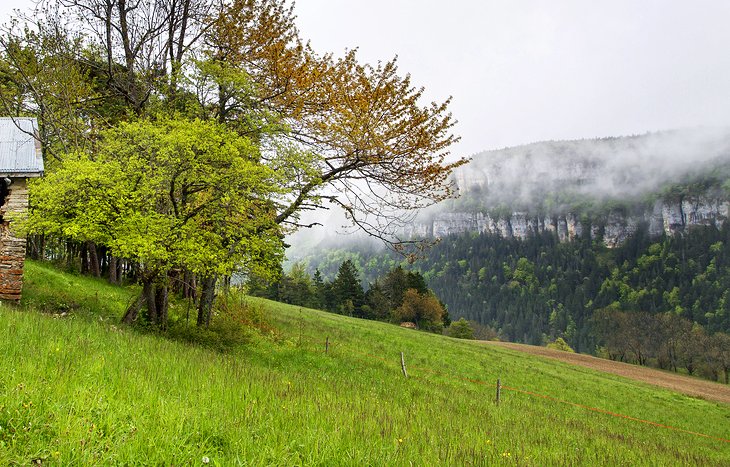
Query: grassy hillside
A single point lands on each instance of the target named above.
(79, 389)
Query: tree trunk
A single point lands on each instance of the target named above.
(189, 285)
(94, 264)
(207, 295)
(148, 291)
(120, 269)
(133, 310)
(70, 254)
(42, 252)
(154, 299)
(36, 246)
(83, 255)
(113, 276)
(161, 305)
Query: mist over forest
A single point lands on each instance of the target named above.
(547, 175)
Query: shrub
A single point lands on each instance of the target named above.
(460, 329)
(560, 344)
(234, 324)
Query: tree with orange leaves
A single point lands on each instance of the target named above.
(353, 135)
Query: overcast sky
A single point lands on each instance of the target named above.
(527, 70)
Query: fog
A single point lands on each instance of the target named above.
(600, 169)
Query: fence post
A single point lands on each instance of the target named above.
(327, 345)
(499, 390)
(403, 365)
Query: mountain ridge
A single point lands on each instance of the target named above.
(605, 188)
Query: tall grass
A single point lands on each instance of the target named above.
(77, 390)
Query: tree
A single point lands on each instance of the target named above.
(167, 193)
(296, 287)
(347, 290)
(674, 331)
(377, 302)
(721, 345)
(424, 310)
(372, 149)
(320, 290)
(395, 285)
(691, 349)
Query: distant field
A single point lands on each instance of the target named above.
(81, 390)
(685, 384)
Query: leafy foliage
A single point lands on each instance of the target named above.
(399, 296)
(560, 344)
(167, 193)
(460, 329)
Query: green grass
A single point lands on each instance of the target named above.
(82, 390)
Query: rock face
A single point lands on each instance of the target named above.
(569, 187)
(666, 217)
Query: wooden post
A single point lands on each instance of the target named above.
(327, 345)
(499, 390)
(403, 365)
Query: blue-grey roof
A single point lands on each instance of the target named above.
(20, 152)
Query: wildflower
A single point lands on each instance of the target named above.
(506, 454)
(400, 440)
(206, 460)
(489, 441)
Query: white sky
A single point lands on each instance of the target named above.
(527, 70)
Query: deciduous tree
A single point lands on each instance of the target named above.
(167, 193)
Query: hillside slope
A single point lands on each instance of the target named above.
(681, 383)
(80, 390)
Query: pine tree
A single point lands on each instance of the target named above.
(347, 290)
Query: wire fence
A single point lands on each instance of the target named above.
(498, 385)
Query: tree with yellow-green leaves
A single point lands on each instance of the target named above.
(169, 193)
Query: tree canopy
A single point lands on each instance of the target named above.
(198, 132)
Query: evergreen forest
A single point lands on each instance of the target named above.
(662, 302)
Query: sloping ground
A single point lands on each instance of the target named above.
(686, 385)
(76, 388)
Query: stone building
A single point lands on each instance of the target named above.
(20, 159)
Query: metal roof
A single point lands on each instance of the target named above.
(20, 152)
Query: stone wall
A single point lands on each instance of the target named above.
(12, 247)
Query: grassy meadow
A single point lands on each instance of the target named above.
(76, 388)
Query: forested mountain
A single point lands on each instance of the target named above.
(540, 286)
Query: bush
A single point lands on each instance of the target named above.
(560, 344)
(233, 325)
(484, 333)
(460, 329)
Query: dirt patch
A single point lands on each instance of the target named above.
(686, 385)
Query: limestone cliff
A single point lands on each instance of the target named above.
(603, 188)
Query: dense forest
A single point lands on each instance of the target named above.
(400, 296)
(536, 290)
